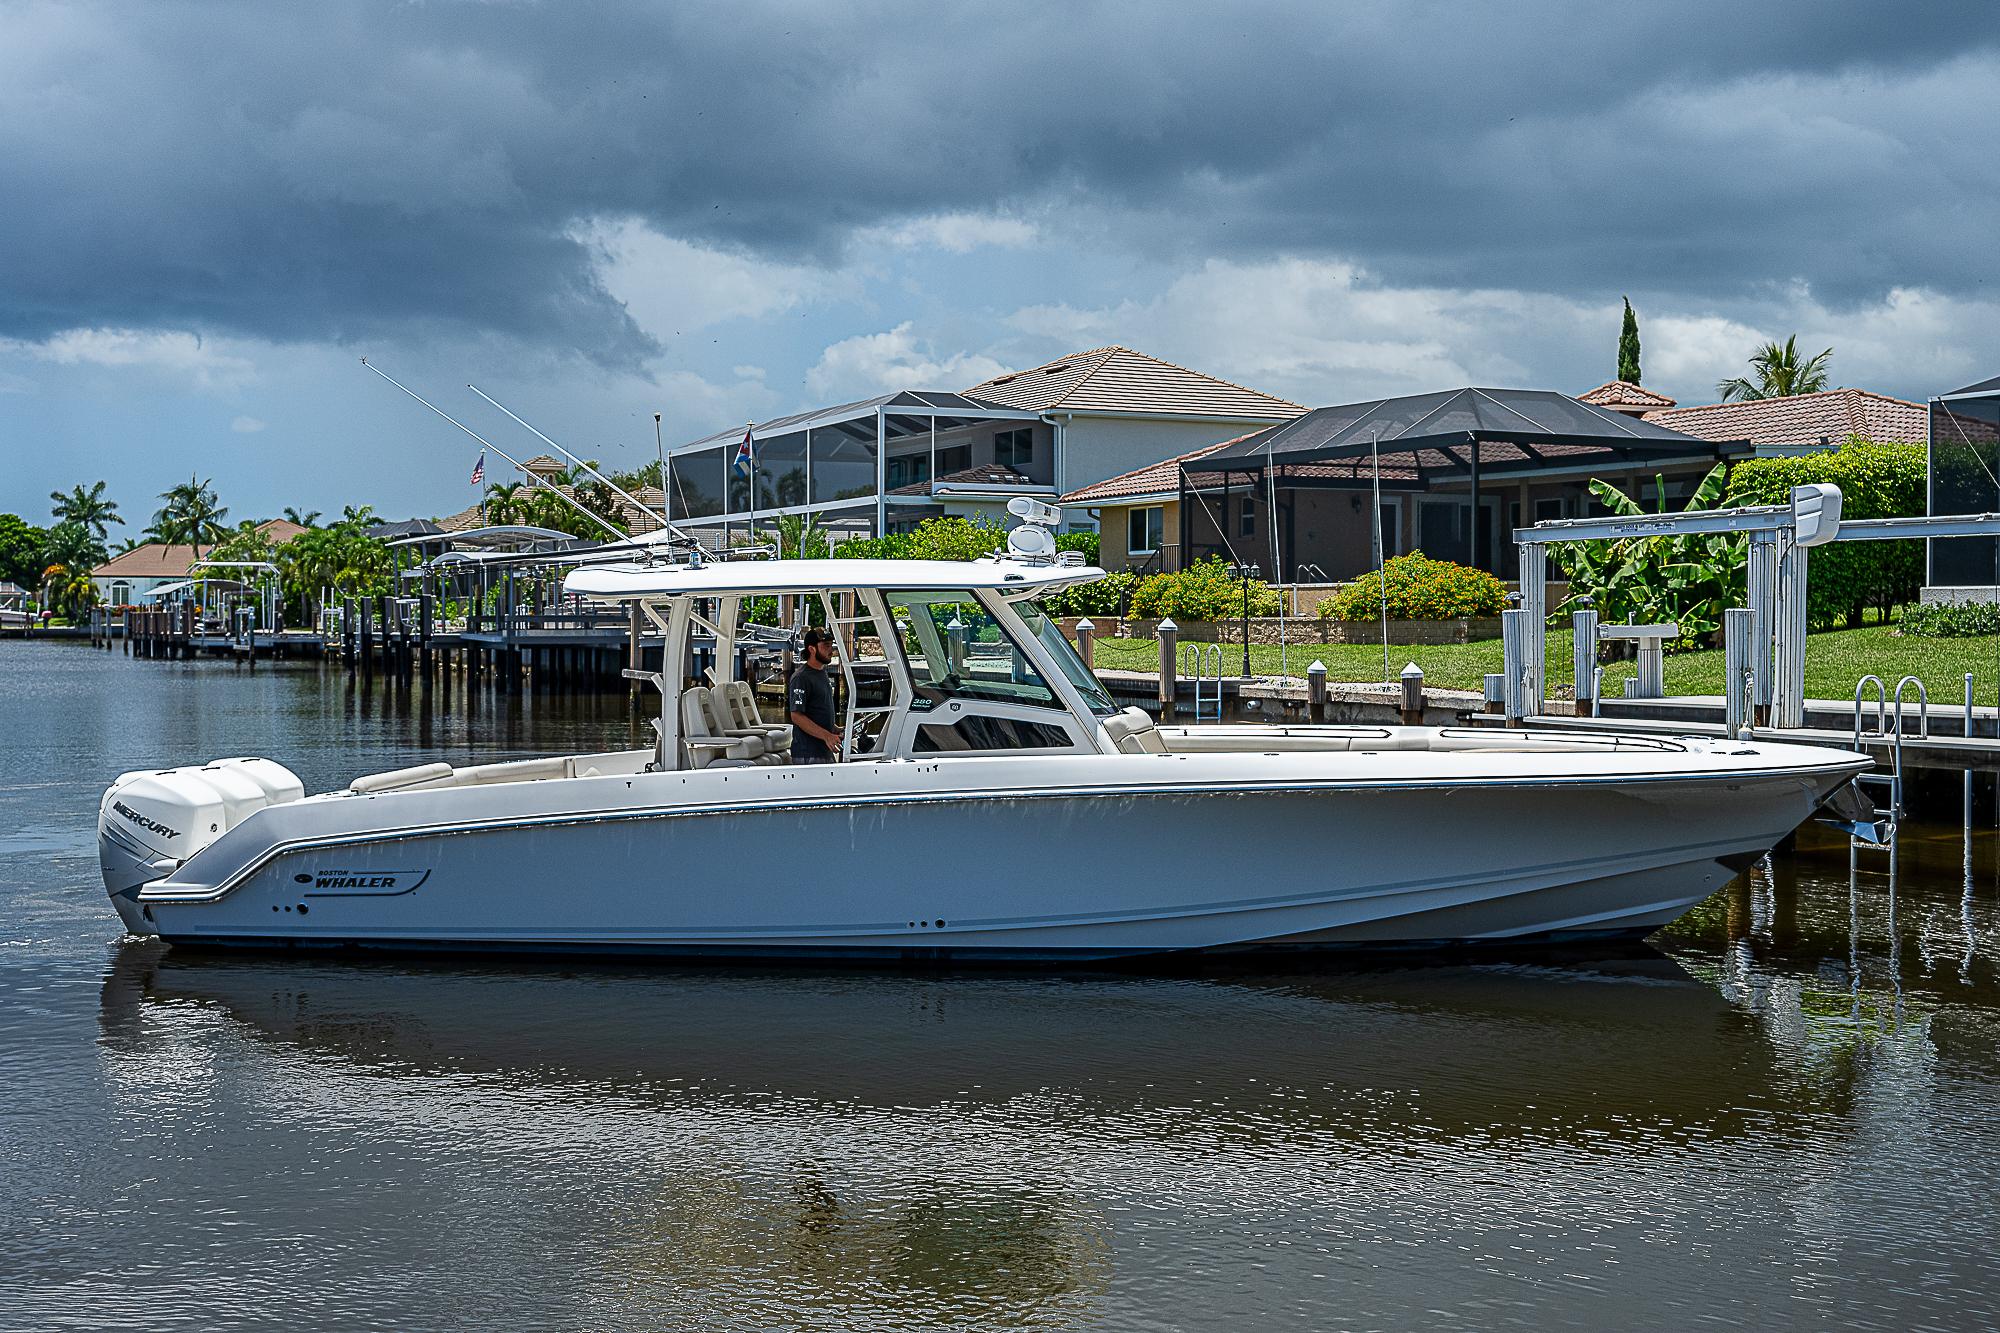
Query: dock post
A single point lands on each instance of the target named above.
(1583, 652)
(1085, 645)
(1316, 691)
(1967, 729)
(1413, 695)
(1496, 689)
(1763, 591)
(1534, 594)
(1513, 684)
(1739, 690)
(1170, 635)
(424, 633)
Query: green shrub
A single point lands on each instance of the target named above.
(1947, 620)
(1876, 481)
(1104, 597)
(1202, 591)
(1420, 588)
(1085, 542)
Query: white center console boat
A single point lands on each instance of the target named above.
(990, 802)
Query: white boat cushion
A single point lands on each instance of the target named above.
(1134, 733)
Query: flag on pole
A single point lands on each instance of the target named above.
(745, 458)
(479, 469)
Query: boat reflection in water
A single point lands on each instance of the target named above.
(911, 1148)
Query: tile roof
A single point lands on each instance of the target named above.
(1118, 379)
(1803, 419)
(465, 520)
(1624, 394)
(157, 560)
(986, 474)
(1153, 479)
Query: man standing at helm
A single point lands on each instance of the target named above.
(809, 696)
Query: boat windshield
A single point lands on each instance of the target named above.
(956, 650)
(1087, 684)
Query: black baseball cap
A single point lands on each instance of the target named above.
(813, 636)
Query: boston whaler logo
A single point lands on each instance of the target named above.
(150, 825)
(345, 883)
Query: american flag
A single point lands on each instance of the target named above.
(479, 469)
(744, 457)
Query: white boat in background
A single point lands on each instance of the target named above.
(991, 803)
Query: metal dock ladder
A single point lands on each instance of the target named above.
(1889, 728)
(1201, 664)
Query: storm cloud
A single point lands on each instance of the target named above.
(334, 172)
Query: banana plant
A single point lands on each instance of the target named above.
(1689, 579)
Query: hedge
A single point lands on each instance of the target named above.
(1876, 481)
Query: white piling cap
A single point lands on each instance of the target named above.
(1318, 668)
(1168, 624)
(1412, 670)
(1084, 624)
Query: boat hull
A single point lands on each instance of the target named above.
(1008, 873)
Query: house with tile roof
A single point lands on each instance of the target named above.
(885, 464)
(1800, 423)
(1113, 410)
(126, 578)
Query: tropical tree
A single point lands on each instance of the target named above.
(89, 508)
(360, 517)
(190, 516)
(70, 552)
(1780, 373)
(21, 544)
(338, 560)
(1628, 346)
(503, 502)
(308, 518)
(799, 538)
(1689, 579)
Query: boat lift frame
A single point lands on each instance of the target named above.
(1780, 537)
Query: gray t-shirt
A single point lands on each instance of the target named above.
(811, 693)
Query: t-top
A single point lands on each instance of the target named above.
(811, 693)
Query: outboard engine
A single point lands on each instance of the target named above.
(151, 821)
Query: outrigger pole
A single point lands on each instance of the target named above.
(587, 467)
(571, 501)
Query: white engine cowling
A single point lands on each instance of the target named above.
(151, 821)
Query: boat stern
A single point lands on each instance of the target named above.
(152, 821)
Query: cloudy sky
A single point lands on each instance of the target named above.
(726, 211)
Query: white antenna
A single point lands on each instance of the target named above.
(571, 501)
(572, 457)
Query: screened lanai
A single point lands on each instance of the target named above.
(846, 464)
(1965, 479)
(1456, 472)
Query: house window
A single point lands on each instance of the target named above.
(955, 459)
(1246, 526)
(1144, 529)
(1014, 448)
(121, 594)
(909, 470)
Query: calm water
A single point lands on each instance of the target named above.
(1787, 1117)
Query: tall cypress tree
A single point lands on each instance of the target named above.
(1628, 346)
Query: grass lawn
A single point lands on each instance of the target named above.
(1834, 662)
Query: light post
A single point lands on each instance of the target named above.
(1246, 573)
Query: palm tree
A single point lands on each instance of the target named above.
(89, 508)
(190, 516)
(306, 519)
(358, 518)
(503, 502)
(1780, 373)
